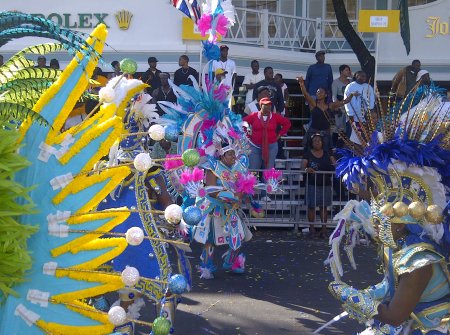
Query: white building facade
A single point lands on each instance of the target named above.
(283, 34)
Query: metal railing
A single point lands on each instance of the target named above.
(290, 208)
(288, 32)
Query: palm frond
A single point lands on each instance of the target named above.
(16, 112)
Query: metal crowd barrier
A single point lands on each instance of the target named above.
(289, 208)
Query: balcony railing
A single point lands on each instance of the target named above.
(287, 32)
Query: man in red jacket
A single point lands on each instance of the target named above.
(264, 136)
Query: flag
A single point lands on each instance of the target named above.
(190, 8)
(404, 24)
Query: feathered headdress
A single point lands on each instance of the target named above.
(408, 161)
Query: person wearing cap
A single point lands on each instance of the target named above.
(405, 79)
(424, 77)
(151, 76)
(264, 135)
(262, 92)
(181, 76)
(220, 74)
(41, 62)
(227, 65)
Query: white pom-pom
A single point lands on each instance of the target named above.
(143, 162)
(106, 94)
(134, 236)
(117, 315)
(173, 213)
(130, 276)
(156, 132)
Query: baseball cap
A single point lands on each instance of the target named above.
(420, 74)
(41, 57)
(152, 59)
(223, 46)
(265, 101)
(320, 52)
(220, 71)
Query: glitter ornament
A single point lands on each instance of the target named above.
(177, 284)
(156, 132)
(190, 157)
(117, 315)
(173, 214)
(161, 326)
(143, 162)
(171, 133)
(192, 215)
(128, 65)
(130, 276)
(134, 236)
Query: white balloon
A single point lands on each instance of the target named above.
(130, 276)
(134, 236)
(142, 162)
(156, 132)
(117, 315)
(173, 213)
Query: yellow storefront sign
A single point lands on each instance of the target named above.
(379, 21)
(191, 32)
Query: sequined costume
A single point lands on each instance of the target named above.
(407, 170)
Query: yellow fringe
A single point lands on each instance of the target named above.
(59, 329)
(93, 132)
(76, 245)
(97, 40)
(82, 182)
(110, 283)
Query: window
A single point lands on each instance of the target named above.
(252, 20)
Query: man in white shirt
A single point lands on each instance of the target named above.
(360, 104)
(227, 64)
(251, 79)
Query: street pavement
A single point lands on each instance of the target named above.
(284, 289)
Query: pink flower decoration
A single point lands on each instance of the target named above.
(202, 152)
(204, 24)
(197, 175)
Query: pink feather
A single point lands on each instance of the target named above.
(197, 175)
(204, 24)
(246, 184)
(170, 164)
(185, 177)
(222, 25)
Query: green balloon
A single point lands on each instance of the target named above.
(190, 157)
(128, 65)
(161, 326)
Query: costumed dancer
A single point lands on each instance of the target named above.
(406, 171)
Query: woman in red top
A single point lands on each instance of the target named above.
(264, 136)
